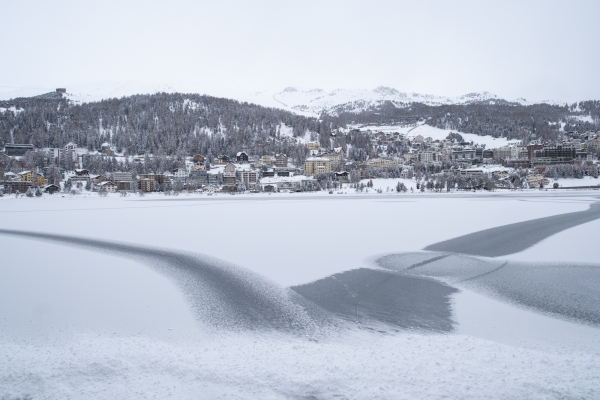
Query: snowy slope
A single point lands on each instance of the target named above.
(436, 134)
(318, 100)
(300, 100)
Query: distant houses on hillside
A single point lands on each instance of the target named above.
(71, 168)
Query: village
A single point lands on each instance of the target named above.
(448, 165)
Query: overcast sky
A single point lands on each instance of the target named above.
(532, 49)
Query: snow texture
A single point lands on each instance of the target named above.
(217, 297)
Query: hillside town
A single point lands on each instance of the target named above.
(433, 165)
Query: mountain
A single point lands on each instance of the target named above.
(162, 123)
(318, 101)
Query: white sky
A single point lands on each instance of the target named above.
(533, 49)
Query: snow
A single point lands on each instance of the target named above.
(437, 134)
(105, 326)
(487, 318)
(317, 100)
(304, 101)
(585, 118)
(13, 109)
(301, 211)
(574, 182)
(389, 183)
(580, 240)
(278, 179)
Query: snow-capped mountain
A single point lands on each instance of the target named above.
(317, 101)
(308, 102)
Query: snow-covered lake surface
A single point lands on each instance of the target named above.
(188, 297)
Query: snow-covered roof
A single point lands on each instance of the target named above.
(316, 159)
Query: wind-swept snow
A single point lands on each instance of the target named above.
(104, 324)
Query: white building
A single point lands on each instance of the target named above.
(179, 173)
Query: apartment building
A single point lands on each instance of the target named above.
(334, 158)
(267, 160)
(248, 177)
(199, 176)
(26, 176)
(147, 185)
(381, 162)
(281, 160)
(317, 165)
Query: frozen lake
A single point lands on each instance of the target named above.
(300, 296)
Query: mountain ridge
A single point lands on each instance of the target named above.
(305, 101)
(317, 101)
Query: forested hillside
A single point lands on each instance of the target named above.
(170, 124)
(500, 119)
(185, 124)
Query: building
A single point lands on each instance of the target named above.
(427, 156)
(518, 152)
(292, 183)
(334, 158)
(147, 185)
(13, 150)
(317, 165)
(61, 90)
(267, 160)
(463, 155)
(69, 152)
(198, 159)
(502, 153)
(159, 178)
(26, 176)
(82, 173)
(198, 176)
(241, 157)
(125, 186)
(281, 160)
(109, 186)
(531, 148)
(380, 163)
(222, 159)
(96, 179)
(41, 180)
(51, 189)
(534, 181)
(229, 175)
(213, 179)
(313, 145)
(248, 177)
(121, 176)
(471, 172)
(557, 154)
(179, 173)
(342, 176)
(14, 186)
(517, 163)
